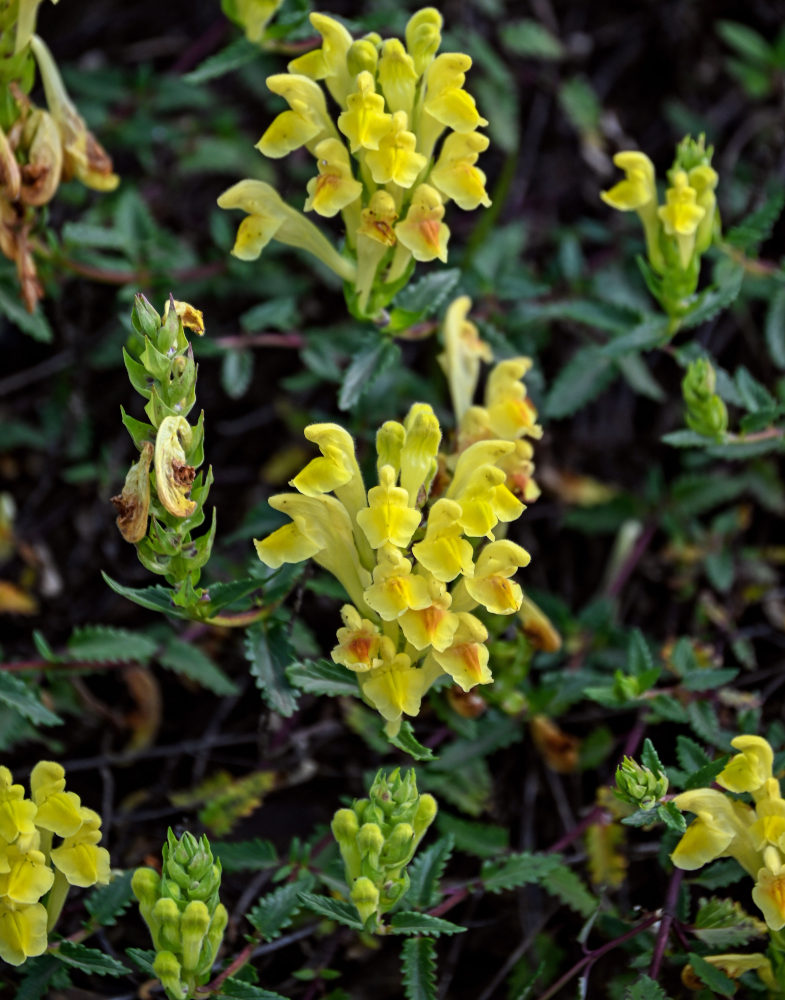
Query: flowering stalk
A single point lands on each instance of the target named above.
(378, 838)
(678, 232)
(418, 552)
(31, 869)
(384, 163)
(170, 451)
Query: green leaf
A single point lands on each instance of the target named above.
(774, 328)
(34, 324)
(745, 41)
(88, 959)
(758, 226)
(143, 958)
(495, 731)
(366, 366)
(546, 870)
(709, 679)
(238, 53)
(703, 777)
(669, 814)
(155, 598)
(720, 874)
(690, 755)
(724, 923)
(470, 788)
(580, 103)
(703, 719)
(425, 296)
(585, 376)
(408, 922)
(530, 38)
(650, 758)
(237, 367)
(334, 909)
(713, 300)
(563, 883)
(246, 855)
(754, 396)
(38, 974)
(686, 439)
(639, 658)
(650, 332)
(696, 493)
(323, 677)
(107, 902)
(425, 872)
(19, 695)
(645, 988)
(275, 910)
(418, 968)
(636, 374)
(192, 662)
(740, 451)
(268, 650)
(236, 989)
(221, 595)
(406, 740)
(102, 644)
(715, 979)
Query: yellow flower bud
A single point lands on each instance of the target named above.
(423, 37)
(463, 352)
(397, 76)
(681, 214)
(365, 897)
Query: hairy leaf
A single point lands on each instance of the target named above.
(245, 855)
(192, 662)
(268, 650)
(107, 902)
(88, 959)
(425, 872)
(408, 922)
(418, 968)
(334, 909)
(19, 695)
(275, 910)
(323, 677)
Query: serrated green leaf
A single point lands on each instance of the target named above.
(323, 677)
(222, 595)
(425, 872)
(650, 332)
(238, 53)
(724, 923)
(102, 644)
(637, 375)
(741, 451)
(143, 958)
(563, 883)
(192, 662)
(246, 855)
(17, 694)
(709, 679)
(703, 719)
(408, 922)
(714, 978)
(686, 439)
(669, 814)
(236, 989)
(107, 902)
(585, 376)
(754, 395)
(366, 366)
(88, 959)
(690, 755)
(639, 658)
(774, 328)
(650, 758)
(704, 776)
(405, 740)
(38, 975)
(645, 988)
(276, 909)
(269, 652)
(418, 968)
(758, 226)
(580, 103)
(425, 296)
(470, 788)
(719, 874)
(334, 909)
(495, 731)
(34, 324)
(713, 300)
(696, 493)
(155, 598)
(516, 870)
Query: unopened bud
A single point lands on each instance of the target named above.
(167, 968)
(423, 37)
(361, 56)
(639, 786)
(194, 923)
(399, 845)
(365, 897)
(425, 815)
(389, 442)
(166, 917)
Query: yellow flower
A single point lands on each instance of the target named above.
(335, 187)
(58, 810)
(22, 932)
(252, 16)
(681, 214)
(455, 173)
(485, 500)
(769, 896)
(133, 504)
(444, 552)
(17, 814)
(466, 658)
(397, 77)
(28, 877)
(419, 451)
(378, 219)
(78, 857)
(722, 828)
(395, 588)
(445, 98)
(491, 585)
(732, 965)
(433, 625)
(388, 518)
(328, 63)
(422, 232)
(306, 122)
(463, 352)
(336, 471)
(395, 160)
(749, 770)
(397, 688)
(638, 188)
(359, 641)
(519, 469)
(423, 37)
(365, 121)
(173, 475)
(511, 414)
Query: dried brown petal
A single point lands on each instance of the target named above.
(10, 178)
(173, 475)
(133, 504)
(41, 173)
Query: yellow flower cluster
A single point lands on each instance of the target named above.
(377, 162)
(38, 148)
(728, 827)
(409, 551)
(679, 231)
(31, 868)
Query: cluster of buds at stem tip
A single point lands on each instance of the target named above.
(35, 875)
(378, 837)
(706, 412)
(727, 826)
(182, 910)
(163, 484)
(422, 548)
(403, 143)
(639, 786)
(39, 147)
(679, 231)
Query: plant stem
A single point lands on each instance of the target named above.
(56, 900)
(667, 920)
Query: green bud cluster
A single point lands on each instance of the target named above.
(378, 837)
(165, 375)
(639, 786)
(706, 413)
(181, 908)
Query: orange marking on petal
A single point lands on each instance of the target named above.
(430, 232)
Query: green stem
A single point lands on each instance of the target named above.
(56, 900)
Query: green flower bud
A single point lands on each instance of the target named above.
(144, 318)
(345, 826)
(167, 968)
(399, 845)
(425, 815)
(691, 153)
(393, 890)
(370, 840)
(365, 897)
(706, 412)
(362, 55)
(166, 918)
(638, 785)
(146, 886)
(212, 941)
(389, 442)
(194, 923)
